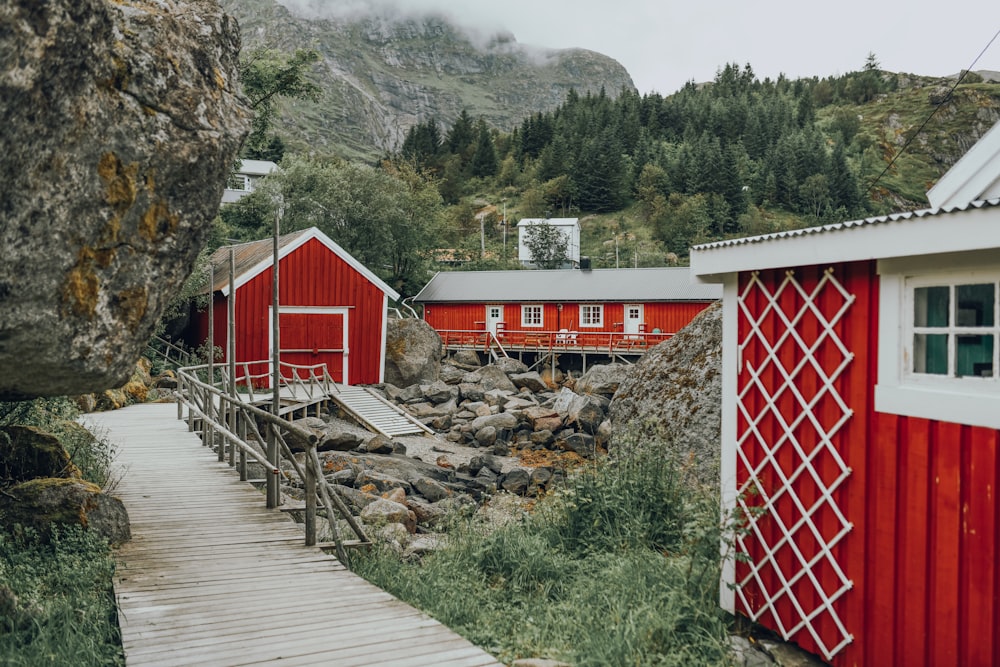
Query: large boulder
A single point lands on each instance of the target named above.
(121, 122)
(412, 353)
(671, 399)
(48, 502)
(27, 453)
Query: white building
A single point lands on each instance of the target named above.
(569, 227)
(244, 180)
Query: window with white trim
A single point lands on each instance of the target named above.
(954, 328)
(591, 315)
(238, 182)
(939, 339)
(531, 316)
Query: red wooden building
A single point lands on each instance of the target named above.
(861, 425)
(332, 309)
(602, 310)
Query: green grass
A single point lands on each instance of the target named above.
(619, 568)
(56, 601)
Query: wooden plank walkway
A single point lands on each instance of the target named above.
(212, 577)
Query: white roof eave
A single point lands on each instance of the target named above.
(976, 227)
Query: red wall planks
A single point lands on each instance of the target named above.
(921, 497)
(310, 276)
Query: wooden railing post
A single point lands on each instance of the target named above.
(310, 484)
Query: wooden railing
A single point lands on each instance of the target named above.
(605, 342)
(297, 382)
(242, 431)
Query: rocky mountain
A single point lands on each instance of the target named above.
(380, 75)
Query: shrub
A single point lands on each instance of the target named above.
(621, 567)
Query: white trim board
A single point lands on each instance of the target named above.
(921, 233)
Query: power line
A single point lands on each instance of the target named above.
(940, 104)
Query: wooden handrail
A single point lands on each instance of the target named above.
(200, 398)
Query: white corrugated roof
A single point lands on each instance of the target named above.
(567, 285)
(973, 226)
(555, 222)
(256, 167)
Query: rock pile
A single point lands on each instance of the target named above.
(504, 406)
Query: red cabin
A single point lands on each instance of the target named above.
(332, 309)
(861, 425)
(603, 311)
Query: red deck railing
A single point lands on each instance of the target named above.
(605, 342)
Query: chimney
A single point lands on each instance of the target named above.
(584, 263)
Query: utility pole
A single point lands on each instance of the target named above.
(616, 251)
(505, 232)
(482, 237)
(273, 490)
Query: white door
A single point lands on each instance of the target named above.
(633, 318)
(494, 315)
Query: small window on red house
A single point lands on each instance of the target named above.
(531, 316)
(955, 330)
(591, 315)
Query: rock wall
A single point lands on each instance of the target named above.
(120, 124)
(670, 401)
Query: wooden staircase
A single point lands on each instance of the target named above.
(377, 413)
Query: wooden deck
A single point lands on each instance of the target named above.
(212, 577)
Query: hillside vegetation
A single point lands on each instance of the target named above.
(647, 175)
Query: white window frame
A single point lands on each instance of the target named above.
(532, 315)
(973, 401)
(239, 178)
(587, 318)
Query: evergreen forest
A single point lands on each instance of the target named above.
(648, 175)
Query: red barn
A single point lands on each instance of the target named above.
(861, 426)
(602, 310)
(332, 309)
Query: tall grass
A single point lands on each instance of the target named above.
(57, 606)
(56, 603)
(620, 567)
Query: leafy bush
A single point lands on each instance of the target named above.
(621, 567)
(56, 602)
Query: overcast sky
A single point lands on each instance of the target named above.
(665, 43)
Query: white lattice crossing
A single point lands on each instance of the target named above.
(813, 582)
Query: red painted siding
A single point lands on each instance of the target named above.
(310, 276)
(668, 317)
(920, 495)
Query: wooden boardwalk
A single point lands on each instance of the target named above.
(212, 577)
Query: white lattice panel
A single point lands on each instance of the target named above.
(790, 411)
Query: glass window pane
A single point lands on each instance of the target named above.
(930, 306)
(930, 354)
(974, 305)
(975, 356)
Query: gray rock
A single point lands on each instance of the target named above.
(343, 477)
(466, 358)
(516, 481)
(543, 419)
(563, 400)
(439, 392)
(412, 352)
(410, 394)
(356, 500)
(529, 380)
(471, 391)
(379, 445)
(121, 122)
(382, 512)
(518, 403)
(603, 379)
(492, 377)
(486, 436)
(671, 402)
(451, 375)
(510, 366)
(427, 514)
(581, 443)
(48, 502)
(431, 489)
(497, 397)
(543, 438)
(540, 477)
(745, 654)
(422, 545)
(586, 413)
(500, 421)
(381, 481)
(488, 479)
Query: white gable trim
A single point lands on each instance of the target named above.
(975, 177)
(958, 231)
(314, 233)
